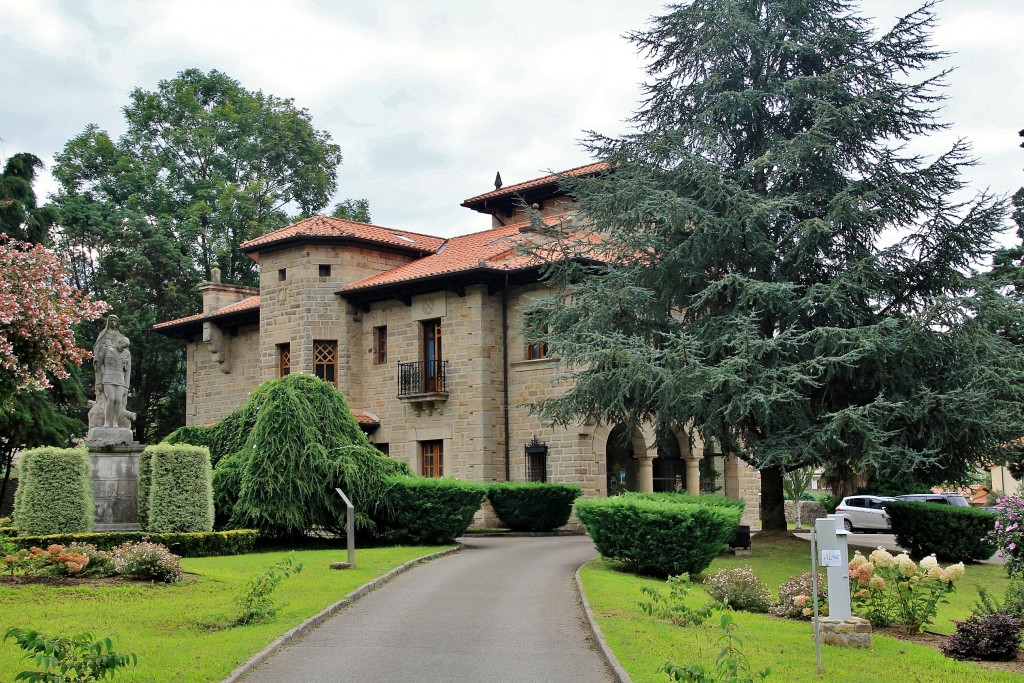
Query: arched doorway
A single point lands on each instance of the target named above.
(622, 466)
(669, 468)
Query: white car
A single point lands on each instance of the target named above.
(865, 513)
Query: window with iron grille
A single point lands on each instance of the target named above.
(432, 458)
(284, 359)
(380, 345)
(325, 361)
(536, 460)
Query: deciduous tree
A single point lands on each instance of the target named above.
(781, 273)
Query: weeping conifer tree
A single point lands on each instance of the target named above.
(283, 453)
(776, 269)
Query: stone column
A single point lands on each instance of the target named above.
(645, 473)
(693, 475)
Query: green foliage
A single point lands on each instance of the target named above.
(994, 637)
(428, 511)
(893, 485)
(953, 534)
(20, 216)
(196, 435)
(659, 537)
(746, 282)
(256, 604)
(78, 659)
(181, 495)
(353, 210)
(283, 453)
(145, 484)
(796, 597)
(731, 665)
(54, 492)
(198, 544)
(828, 502)
(146, 560)
(673, 608)
(739, 588)
(704, 499)
(534, 506)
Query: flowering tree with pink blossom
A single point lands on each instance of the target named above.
(1008, 534)
(38, 309)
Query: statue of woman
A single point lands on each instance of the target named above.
(112, 364)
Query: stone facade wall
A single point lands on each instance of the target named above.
(215, 388)
(810, 510)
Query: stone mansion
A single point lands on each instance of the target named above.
(423, 335)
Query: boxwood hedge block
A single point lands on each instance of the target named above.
(145, 475)
(954, 534)
(55, 492)
(198, 544)
(181, 495)
(655, 536)
(533, 507)
(426, 511)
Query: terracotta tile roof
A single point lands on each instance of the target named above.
(247, 304)
(365, 418)
(495, 249)
(518, 188)
(326, 227)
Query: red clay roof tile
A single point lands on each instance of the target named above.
(510, 190)
(249, 303)
(339, 228)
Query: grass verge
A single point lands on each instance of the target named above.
(642, 644)
(157, 621)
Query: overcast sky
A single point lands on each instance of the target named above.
(429, 98)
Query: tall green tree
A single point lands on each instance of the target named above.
(20, 215)
(204, 165)
(745, 288)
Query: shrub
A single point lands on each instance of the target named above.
(146, 560)
(205, 544)
(429, 511)
(705, 499)
(656, 536)
(193, 435)
(256, 603)
(889, 590)
(993, 637)
(731, 665)
(181, 495)
(54, 561)
(796, 597)
(740, 588)
(99, 564)
(145, 480)
(533, 507)
(1008, 533)
(953, 534)
(55, 492)
(79, 658)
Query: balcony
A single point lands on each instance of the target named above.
(424, 385)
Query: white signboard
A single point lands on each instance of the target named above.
(831, 558)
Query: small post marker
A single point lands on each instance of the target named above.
(350, 533)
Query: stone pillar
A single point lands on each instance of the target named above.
(645, 473)
(115, 487)
(693, 475)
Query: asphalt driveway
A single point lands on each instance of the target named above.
(503, 609)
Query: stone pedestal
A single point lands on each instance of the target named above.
(115, 485)
(852, 632)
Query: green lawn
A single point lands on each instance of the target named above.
(156, 621)
(642, 644)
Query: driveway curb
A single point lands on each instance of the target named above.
(297, 632)
(609, 656)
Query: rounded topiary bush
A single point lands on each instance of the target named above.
(655, 536)
(181, 493)
(423, 510)
(533, 507)
(55, 492)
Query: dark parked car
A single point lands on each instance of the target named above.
(954, 499)
(864, 512)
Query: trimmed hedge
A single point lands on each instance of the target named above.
(181, 494)
(657, 535)
(205, 544)
(145, 479)
(428, 511)
(533, 507)
(954, 534)
(55, 492)
(707, 500)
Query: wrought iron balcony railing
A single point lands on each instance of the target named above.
(422, 377)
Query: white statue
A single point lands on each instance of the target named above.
(112, 363)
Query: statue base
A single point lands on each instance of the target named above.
(103, 437)
(115, 486)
